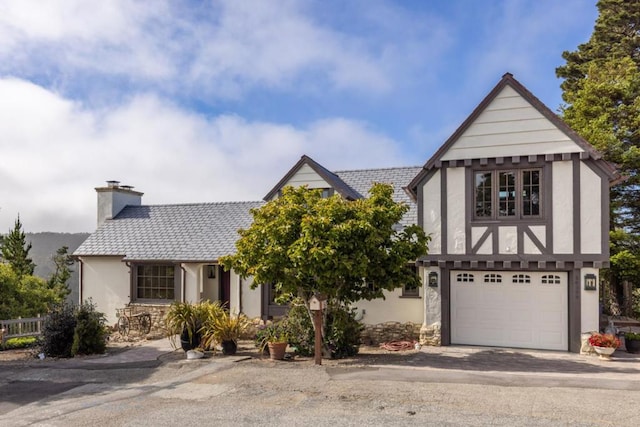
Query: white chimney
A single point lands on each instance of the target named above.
(113, 198)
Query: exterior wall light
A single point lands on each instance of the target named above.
(212, 271)
(433, 279)
(590, 282)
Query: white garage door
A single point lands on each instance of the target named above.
(509, 309)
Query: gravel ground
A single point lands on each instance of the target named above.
(258, 391)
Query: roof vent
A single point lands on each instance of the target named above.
(113, 184)
(127, 187)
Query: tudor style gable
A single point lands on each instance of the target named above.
(514, 184)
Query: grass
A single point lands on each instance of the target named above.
(22, 342)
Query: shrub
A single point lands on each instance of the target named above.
(300, 329)
(90, 332)
(342, 331)
(58, 330)
(20, 342)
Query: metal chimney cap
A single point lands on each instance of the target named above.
(113, 184)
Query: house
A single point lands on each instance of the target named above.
(152, 255)
(516, 204)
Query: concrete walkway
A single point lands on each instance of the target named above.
(506, 367)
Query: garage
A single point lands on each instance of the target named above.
(510, 309)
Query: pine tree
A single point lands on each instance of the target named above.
(601, 91)
(15, 251)
(60, 277)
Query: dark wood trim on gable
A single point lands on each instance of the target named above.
(444, 245)
(509, 80)
(577, 233)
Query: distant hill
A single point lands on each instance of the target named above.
(45, 245)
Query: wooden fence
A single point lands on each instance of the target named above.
(20, 327)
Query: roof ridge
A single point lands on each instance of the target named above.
(377, 169)
(237, 202)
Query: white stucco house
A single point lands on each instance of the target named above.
(516, 203)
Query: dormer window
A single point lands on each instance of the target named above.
(508, 194)
(327, 192)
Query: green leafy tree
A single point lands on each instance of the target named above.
(25, 296)
(58, 280)
(303, 244)
(601, 91)
(15, 251)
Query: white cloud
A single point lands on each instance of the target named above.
(55, 151)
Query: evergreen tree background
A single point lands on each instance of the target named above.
(15, 251)
(601, 91)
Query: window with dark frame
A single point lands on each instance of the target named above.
(155, 282)
(411, 290)
(502, 194)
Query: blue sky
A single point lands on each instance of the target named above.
(201, 101)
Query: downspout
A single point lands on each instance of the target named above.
(239, 294)
(183, 277)
(131, 284)
(80, 280)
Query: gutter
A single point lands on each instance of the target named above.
(183, 276)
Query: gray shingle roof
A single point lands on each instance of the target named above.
(184, 232)
(362, 180)
(206, 231)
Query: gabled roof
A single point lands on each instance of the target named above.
(331, 178)
(509, 80)
(362, 180)
(182, 232)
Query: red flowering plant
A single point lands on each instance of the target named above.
(604, 340)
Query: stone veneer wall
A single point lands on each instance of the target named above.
(158, 313)
(390, 331)
(431, 335)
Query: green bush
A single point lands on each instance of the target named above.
(71, 330)
(21, 342)
(300, 329)
(342, 331)
(58, 330)
(90, 333)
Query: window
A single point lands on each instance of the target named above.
(327, 192)
(155, 282)
(492, 278)
(521, 278)
(411, 290)
(551, 279)
(464, 277)
(507, 194)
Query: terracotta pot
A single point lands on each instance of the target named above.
(277, 350)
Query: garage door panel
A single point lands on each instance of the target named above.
(529, 314)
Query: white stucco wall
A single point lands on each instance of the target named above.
(431, 208)
(562, 188)
(191, 285)
(456, 210)
(251, 299)
(393, 308)
(507, 240)
(590, 309)
(106, 281)
(590, 209)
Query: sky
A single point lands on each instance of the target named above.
(206, 101)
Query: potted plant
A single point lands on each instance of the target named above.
(224, 329)
(274, 337)
(604, 344)
(186, 320)
(632, 342)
